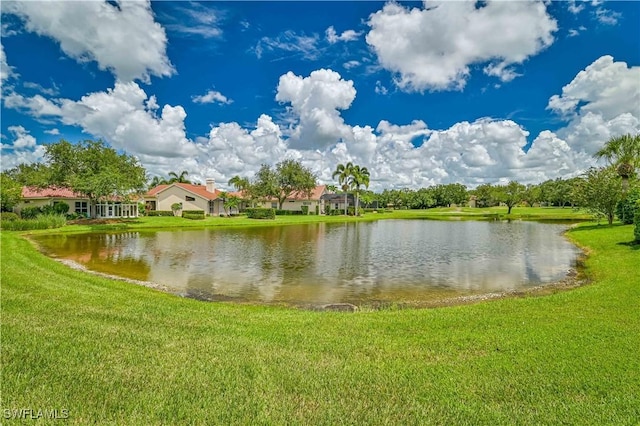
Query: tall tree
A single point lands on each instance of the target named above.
(293, 177)
(511, 194)
(92, 169)
(10, 192)
(343, 173)
(179, 178)
(239, 183)
(600, 191)
(359, 177)
(289, 177)
(623, 152)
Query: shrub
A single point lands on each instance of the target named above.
(336, 212)
(636, 231)
(160, 213)
(30, 212)
(305, 210)
(317, 209)
(351, 211)
(327, 209)
(288, 212)
(193, 216)
(41, 221)
(261, 213)
(60, 208)
(626, 208)
(9, 216)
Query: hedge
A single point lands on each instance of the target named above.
(193, 216)
(9, 216)
(160, 213)
(260, 213)
(626, 208)
(289, 212)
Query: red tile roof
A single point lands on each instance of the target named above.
(201, 190)
(51, 192)
(315, 194)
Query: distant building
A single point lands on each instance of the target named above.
(205, 198)
(78, 204)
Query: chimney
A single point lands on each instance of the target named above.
(211, 185)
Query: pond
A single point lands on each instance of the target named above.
(367, 262)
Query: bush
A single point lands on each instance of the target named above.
(636, 231)
(160, 213)
(261, 213)
(317, 209)
(30, 212)
(9, 216)
(327, 209)
(336, 212)
(288, 212)
(193, 216)
(626, 208)
(351, 211)
(41, 221)
(305, 210)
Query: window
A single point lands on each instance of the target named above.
(306, 203)
(81, 208)
(274, 205)
(187, 198)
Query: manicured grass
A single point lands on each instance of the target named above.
(115, 353)
(159, 222)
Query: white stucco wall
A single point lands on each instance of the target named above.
(176, 194)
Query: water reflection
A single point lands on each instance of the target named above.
(390, 260)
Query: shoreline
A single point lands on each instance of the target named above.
(573, 279)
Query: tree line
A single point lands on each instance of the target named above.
(99, 172)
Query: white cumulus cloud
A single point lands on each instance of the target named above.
(432, 48)
(212, 96)
(315, 101)
(123, 39)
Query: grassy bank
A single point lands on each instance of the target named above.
(114, 353)
(493, 213)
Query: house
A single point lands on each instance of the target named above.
(336, 201)
(296, 200)
(209, 199)
(78, 203)
(192, 197)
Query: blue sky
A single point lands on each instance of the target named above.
(420, 93)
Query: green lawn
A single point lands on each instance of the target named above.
(115, 353)
(519, 213)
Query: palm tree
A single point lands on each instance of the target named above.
(157, 180)
(179, 178)
(343, 173)
(624, 153)
(239, 183)
(359, 177)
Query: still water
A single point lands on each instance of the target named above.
(382, 261)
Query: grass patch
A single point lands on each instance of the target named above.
(464, 213)
(115, 353)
